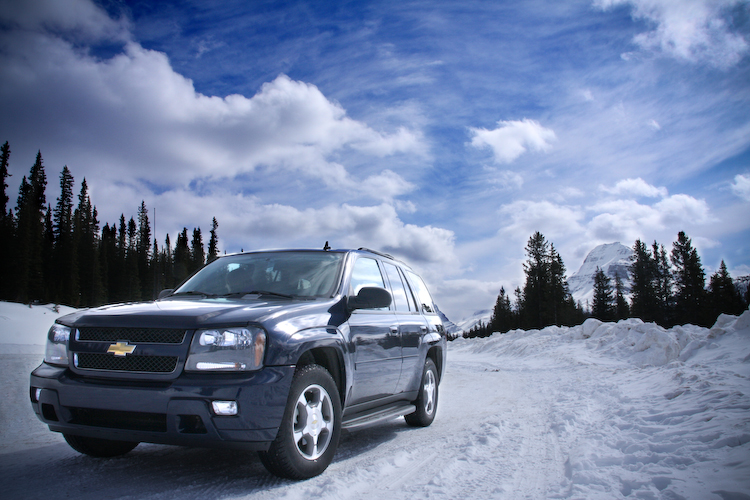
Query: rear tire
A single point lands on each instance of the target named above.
(101, 448)
(309, 432)
(428, 397)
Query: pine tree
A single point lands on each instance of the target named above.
(502, 316)
(213, 242)
(723, 296)
(663, 286)
(7, 230)
(65, 275)
(132, 279)
(143, 249)
(196, 251)
(30, 217)
(182, 258)
(602, 308)
(690, 282)
(622, 309)
(86, 240)
(643, 278)
(536, 288)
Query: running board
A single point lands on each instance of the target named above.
(387, 413)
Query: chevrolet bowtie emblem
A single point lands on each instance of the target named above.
(121, 349)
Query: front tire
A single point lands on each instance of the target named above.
(100, 448)
(309, 432)
(428, 397)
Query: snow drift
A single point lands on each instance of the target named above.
(597, 411)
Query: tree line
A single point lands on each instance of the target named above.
(665, 288)
(59, 254)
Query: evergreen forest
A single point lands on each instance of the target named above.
(60, 254)
(665, 288)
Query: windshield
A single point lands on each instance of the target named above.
(293, 274)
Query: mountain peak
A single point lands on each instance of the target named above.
(612, 258)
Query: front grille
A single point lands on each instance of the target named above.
(131, 420)
(133, 335)
(145, 364)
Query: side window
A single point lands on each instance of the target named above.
(420, 290)
(399, 293)
(365, 273)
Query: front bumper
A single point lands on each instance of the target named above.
(176, 412)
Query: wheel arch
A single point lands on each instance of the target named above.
(329, 358)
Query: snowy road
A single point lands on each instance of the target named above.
(491, 438)
(591, 412)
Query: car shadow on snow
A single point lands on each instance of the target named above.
(166, 472)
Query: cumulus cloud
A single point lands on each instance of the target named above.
(133, 116)
(513, 138)
(741, 186)
(522, 218)
(627, 220)
(635, 187)
(690, 30)
(246, 222)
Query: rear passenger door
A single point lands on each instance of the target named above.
(411, 325)
(374, 338)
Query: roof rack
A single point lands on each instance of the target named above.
(382, 254)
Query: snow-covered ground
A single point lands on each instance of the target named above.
(599, 411)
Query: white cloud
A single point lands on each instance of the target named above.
(522, 218)
(513, 138)
(691, 30)
(79, 19)
(133, 116)
(635, 187)
(741, 186)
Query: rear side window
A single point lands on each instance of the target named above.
(420, 290)
(399, 292)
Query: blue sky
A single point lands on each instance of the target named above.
(445, 133)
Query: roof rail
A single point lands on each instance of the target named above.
(363, 249)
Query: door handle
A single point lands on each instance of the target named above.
(394, 329)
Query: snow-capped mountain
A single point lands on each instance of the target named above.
(612, 258)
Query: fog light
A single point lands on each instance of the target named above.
(37, 394)
(224, 408)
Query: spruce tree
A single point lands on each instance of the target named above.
(502, 315)
(602, 307)
(143, 249)
(213, 242)
(536, 288)
(65, 275)
(723, 296)
(7, 229)
(663, 286)
(182, 258)
(643, 279)
(132, 279)
(30, 218)
(622, 309)
(197, 253)
(690, 282)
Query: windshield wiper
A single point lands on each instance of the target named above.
(266, 292)
(194, 292)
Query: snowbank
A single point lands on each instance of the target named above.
(23, 328)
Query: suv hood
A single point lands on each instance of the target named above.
(195, 313)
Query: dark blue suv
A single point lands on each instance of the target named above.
(275, 351)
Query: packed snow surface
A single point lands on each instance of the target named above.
(598, 411)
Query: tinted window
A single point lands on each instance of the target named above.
(365, 273)
(420, 290)
(399, 293)
(304, 274)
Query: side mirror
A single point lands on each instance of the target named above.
(370, 297)
(166, 292)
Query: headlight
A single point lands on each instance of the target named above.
(227, 349)
(56, 352)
